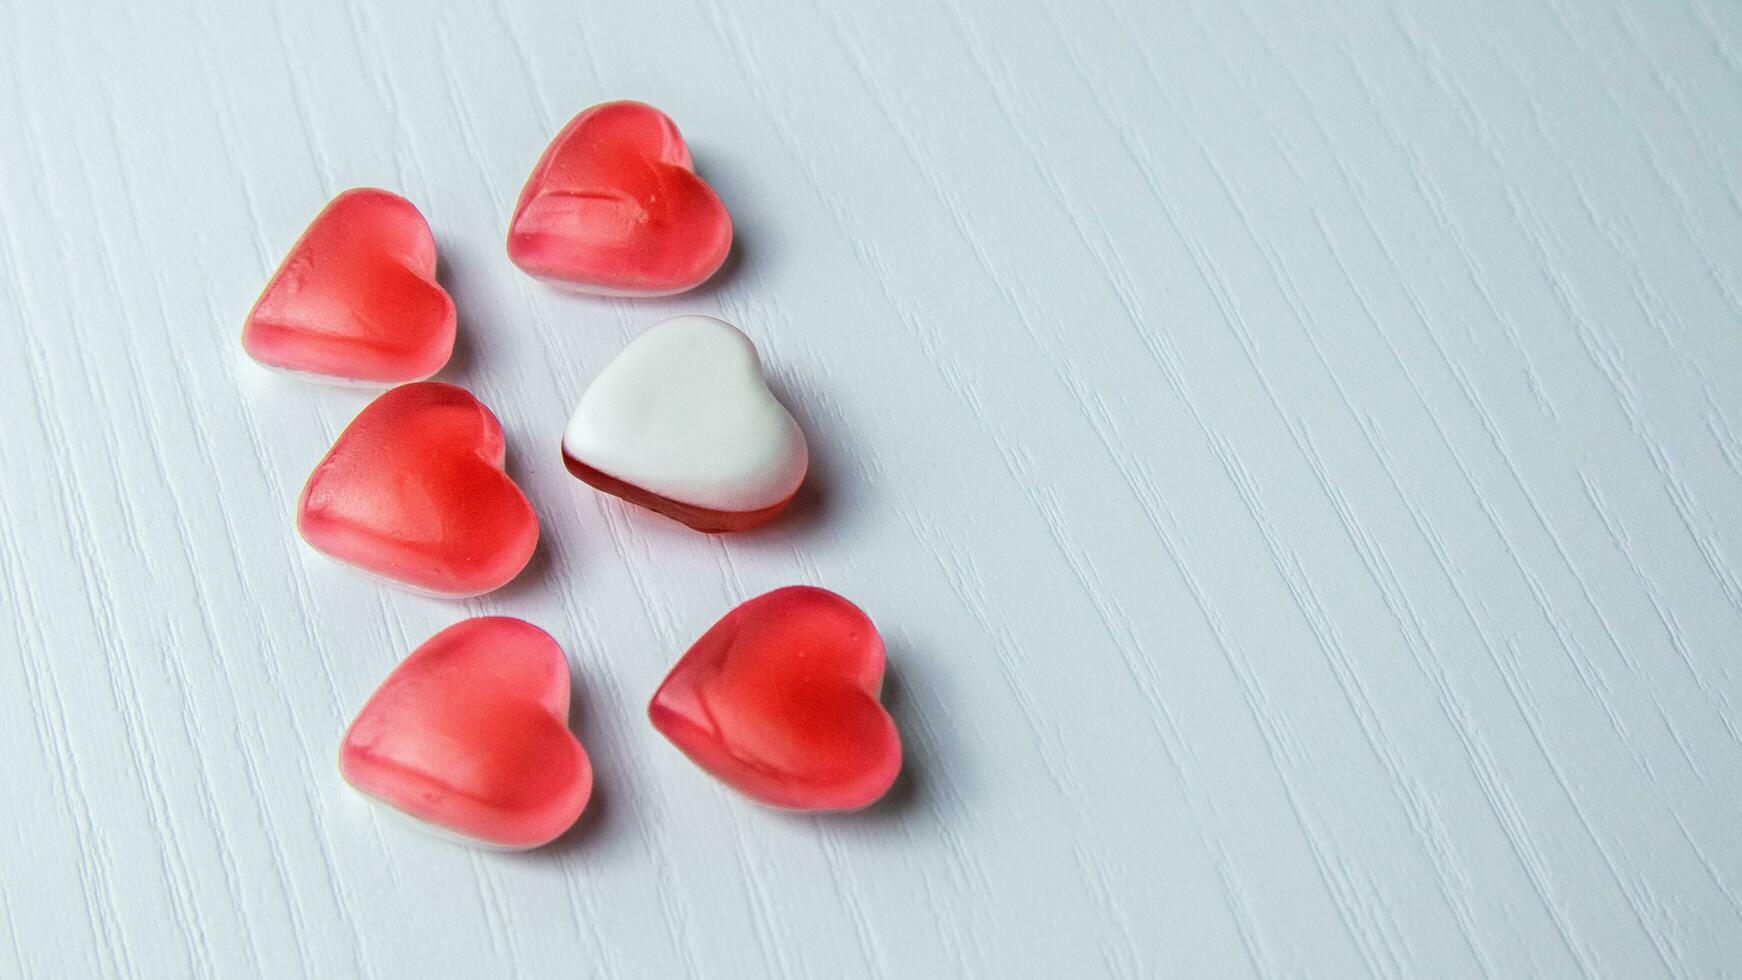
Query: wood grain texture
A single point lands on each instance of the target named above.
(1292, 451)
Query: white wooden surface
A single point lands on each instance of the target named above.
(1292, 450)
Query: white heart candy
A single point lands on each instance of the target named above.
(684, 413)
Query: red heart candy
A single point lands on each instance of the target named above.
(413, 491)
(356, 299)
(779, 701)
(470, 735)
(614, 207)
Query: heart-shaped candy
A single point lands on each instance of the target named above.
(682, 422)
(614, 207)
(470, 736)
(779, 701)
(413, 491)
(356, 300)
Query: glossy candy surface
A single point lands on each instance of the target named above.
(779, 701)
(682, 422)
(614, 207)
(413, 491)
(356, 300)
(469, 735)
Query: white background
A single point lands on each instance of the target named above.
(1291, 449)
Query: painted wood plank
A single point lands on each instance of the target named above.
(1292, 451)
